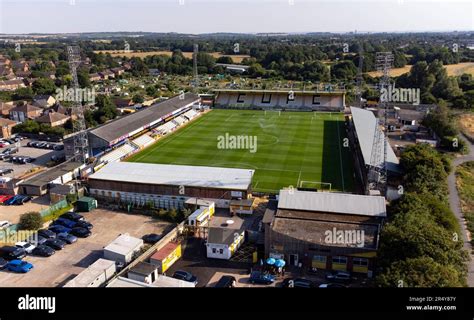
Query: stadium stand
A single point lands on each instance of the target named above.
(143, 141)
(286, 100)
(119, 153)
(191, 114)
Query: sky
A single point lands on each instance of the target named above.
(240, 16)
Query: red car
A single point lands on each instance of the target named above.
(4, 198)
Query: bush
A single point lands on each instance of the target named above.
(30, 221)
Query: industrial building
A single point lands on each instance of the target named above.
(123, 249)
(169, 186)
(160, 282)
(95, 275)
(297, 100)
(324, 230)
(40, 184)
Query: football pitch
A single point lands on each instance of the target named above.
(299, 149)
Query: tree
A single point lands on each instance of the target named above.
(30, 221)
(138, 98)
(106, 109)
(420, 272)
(44, 86)
(225, 60)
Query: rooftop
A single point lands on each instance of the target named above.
(176, 175)
(46, 177)
(365, 124)
(124, 244)
(136, 121)
(222, 235)
(332, 202)
(143, 268)
(90, 274)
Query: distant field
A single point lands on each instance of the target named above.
(466, 122)
(292, 148)
(120, 53)
(452, 69)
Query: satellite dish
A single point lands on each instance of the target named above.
(229, 221)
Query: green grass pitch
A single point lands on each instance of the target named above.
(293, 148)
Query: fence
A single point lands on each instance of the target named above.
(54, 208)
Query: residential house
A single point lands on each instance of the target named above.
(95, 77)
(6, 127)
(53, 119)
(5, 108)
(118, 71)
(20, 65)
(127, 65)
(122, 103)
(44, 101)
(107, 74)
(25, 112)
(11, 85)
(60, 109)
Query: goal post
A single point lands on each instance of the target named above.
(318, 185)
(272, 112)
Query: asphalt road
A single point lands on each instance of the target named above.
(455, 205)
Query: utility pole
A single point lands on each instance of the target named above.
(195, 66)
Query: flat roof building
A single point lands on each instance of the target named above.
(95, 275)
(123, 248)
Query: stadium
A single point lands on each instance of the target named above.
(304, 143)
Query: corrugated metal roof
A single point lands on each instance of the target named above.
(365, 123)
(332, 202)
(125, 125)
(166, 174)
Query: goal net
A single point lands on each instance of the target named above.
(315, 185)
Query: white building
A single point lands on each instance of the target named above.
(95, 275)
(123, 248)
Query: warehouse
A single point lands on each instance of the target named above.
(166, 186)
(39, 184)
(123, 249)
(333, 231)
(95, 275)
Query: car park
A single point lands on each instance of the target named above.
(72, 216)
(12, 253)
(55, 244)
(28, 247)
(151, 238)
(226, 282)
(43, 251)
(80, 232)
(3, 263)
(339, 276)
(19, 266)
(261, 278)
(186, 276)
(298, 283)
(66, 237)
(59, 229)
(48, 234)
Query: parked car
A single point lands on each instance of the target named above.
(4, 224)
(332, 285)
(3, 263)
(4, 198)
(151, 238)
(43, 251)
(64, 222)
(186, 276)
(58, 147)
(19, 266)
(5, 171)
(80, 232)
(28, 247)
(12, 200)
(48, 234)
(72, 216)
(56, 244)
(24, 200)
(226, 282)
(83, 224)
(12, 253)
(261, 278)
(66, 237)
(19, 199)
(339, 276)
(40, 145)
(297, 283)
(59, 229)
